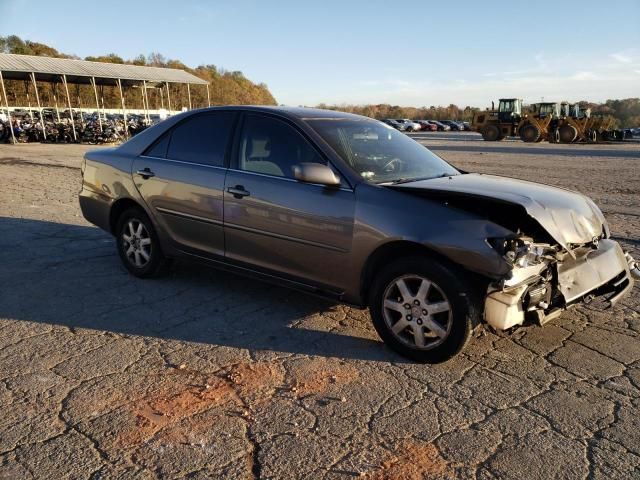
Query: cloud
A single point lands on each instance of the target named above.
(584, 76)
(556, 78)
(621, 57)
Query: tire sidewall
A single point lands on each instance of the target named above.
(465, 315)
(530, 134)
(157, 258)
(491, 133)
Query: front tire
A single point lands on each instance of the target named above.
(138, 244)
(530, 133)
(423, 310)
(568, 133)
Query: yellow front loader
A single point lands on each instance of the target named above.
(538, 122)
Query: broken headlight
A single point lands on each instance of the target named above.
(518, 251)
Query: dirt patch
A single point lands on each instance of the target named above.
(168, 406)
(319, 374)
(193, 393)
(256, 381)
(414, 461)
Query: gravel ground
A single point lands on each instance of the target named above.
(204, 375)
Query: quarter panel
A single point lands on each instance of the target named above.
(106, 178)
(186, 201)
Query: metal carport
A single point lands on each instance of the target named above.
(33, 68)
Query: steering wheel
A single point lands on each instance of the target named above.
(390, 166)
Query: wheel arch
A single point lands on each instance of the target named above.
(118, 208)
(397, 249)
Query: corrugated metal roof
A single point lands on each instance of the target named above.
(83, 68)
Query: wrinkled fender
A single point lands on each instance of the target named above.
(386, 215)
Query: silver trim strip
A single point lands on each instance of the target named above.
(198, 218)
(168, 211)
(285, 237)
(184, 163)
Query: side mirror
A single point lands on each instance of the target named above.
(315, 173)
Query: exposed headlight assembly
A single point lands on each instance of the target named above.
(521, 251)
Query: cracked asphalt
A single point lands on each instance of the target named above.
(208, 375)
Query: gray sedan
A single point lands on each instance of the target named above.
(348, 208)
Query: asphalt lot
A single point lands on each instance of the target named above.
(205, 375)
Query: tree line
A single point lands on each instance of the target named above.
(225, 87)
(625, 112)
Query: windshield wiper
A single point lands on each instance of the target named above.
(417, 179)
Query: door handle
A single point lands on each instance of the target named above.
(145, 173)
(238, 191)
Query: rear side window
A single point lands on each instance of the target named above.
(202, 139)
(159, 148)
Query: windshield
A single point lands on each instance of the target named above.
(379, 153)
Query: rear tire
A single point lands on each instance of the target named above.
(138, 244)
(435, 328)
(491, 133)
(530, 133)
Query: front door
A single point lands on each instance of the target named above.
(275, 222)
(181, 179)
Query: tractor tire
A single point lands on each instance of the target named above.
(530, 133)
(491, 133)
(568, 133)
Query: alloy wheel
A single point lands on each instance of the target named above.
(136, 243)
(417, 312)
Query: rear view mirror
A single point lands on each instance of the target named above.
(315, 173)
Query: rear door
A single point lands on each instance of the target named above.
(181, 178)
(275, 222)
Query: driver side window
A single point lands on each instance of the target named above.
(271, 147)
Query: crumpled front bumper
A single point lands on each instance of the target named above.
(607, 270)
(608, 266)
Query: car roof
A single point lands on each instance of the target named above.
(300, 113)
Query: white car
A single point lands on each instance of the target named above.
(409, 125)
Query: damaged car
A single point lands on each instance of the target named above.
(348, 208)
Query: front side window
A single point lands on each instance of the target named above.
(202, 139)
(379, 153)
(272, 147)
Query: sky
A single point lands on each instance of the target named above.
(417, 53)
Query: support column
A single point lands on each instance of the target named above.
(79, 103)
(42, 122)
(26, 89)
(104, 113)
(189, 95)
(95, 91)
(161, 97)
(73, 123)
(124, 110)
(54, 88)
(6, 101)
(208, 96)
(146, 101)
(168, 97)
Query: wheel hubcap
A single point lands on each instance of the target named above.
(417, 312)
(136, 243)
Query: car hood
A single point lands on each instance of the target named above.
(569, 217)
